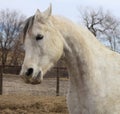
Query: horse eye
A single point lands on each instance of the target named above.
(39, 37)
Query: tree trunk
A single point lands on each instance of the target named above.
(1, 79)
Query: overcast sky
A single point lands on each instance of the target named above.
(68, 8)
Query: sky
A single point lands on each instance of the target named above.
(67, 8)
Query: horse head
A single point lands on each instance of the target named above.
(43, 46)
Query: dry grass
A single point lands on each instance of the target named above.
(32, 105)
(21, 98)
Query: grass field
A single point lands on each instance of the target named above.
(21, 98)
(20, 104)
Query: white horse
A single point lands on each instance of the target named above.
(94, 70)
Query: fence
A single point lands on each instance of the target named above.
(50, 74)
(54, 72)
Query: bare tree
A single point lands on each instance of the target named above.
(10, 22)
(17, 53)
(102, 24)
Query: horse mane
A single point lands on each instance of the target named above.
(28, 25)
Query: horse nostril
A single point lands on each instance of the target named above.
(29, 71)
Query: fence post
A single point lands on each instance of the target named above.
(1, 79)
(58, 82)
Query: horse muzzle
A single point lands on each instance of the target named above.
(30, 77)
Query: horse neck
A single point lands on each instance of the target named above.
(82, 48)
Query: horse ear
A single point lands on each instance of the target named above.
(38, 15)
(44, 15)
(48, 12)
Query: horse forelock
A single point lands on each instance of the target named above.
(28, 26)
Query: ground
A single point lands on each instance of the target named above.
(19, 104)
(21, 98)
